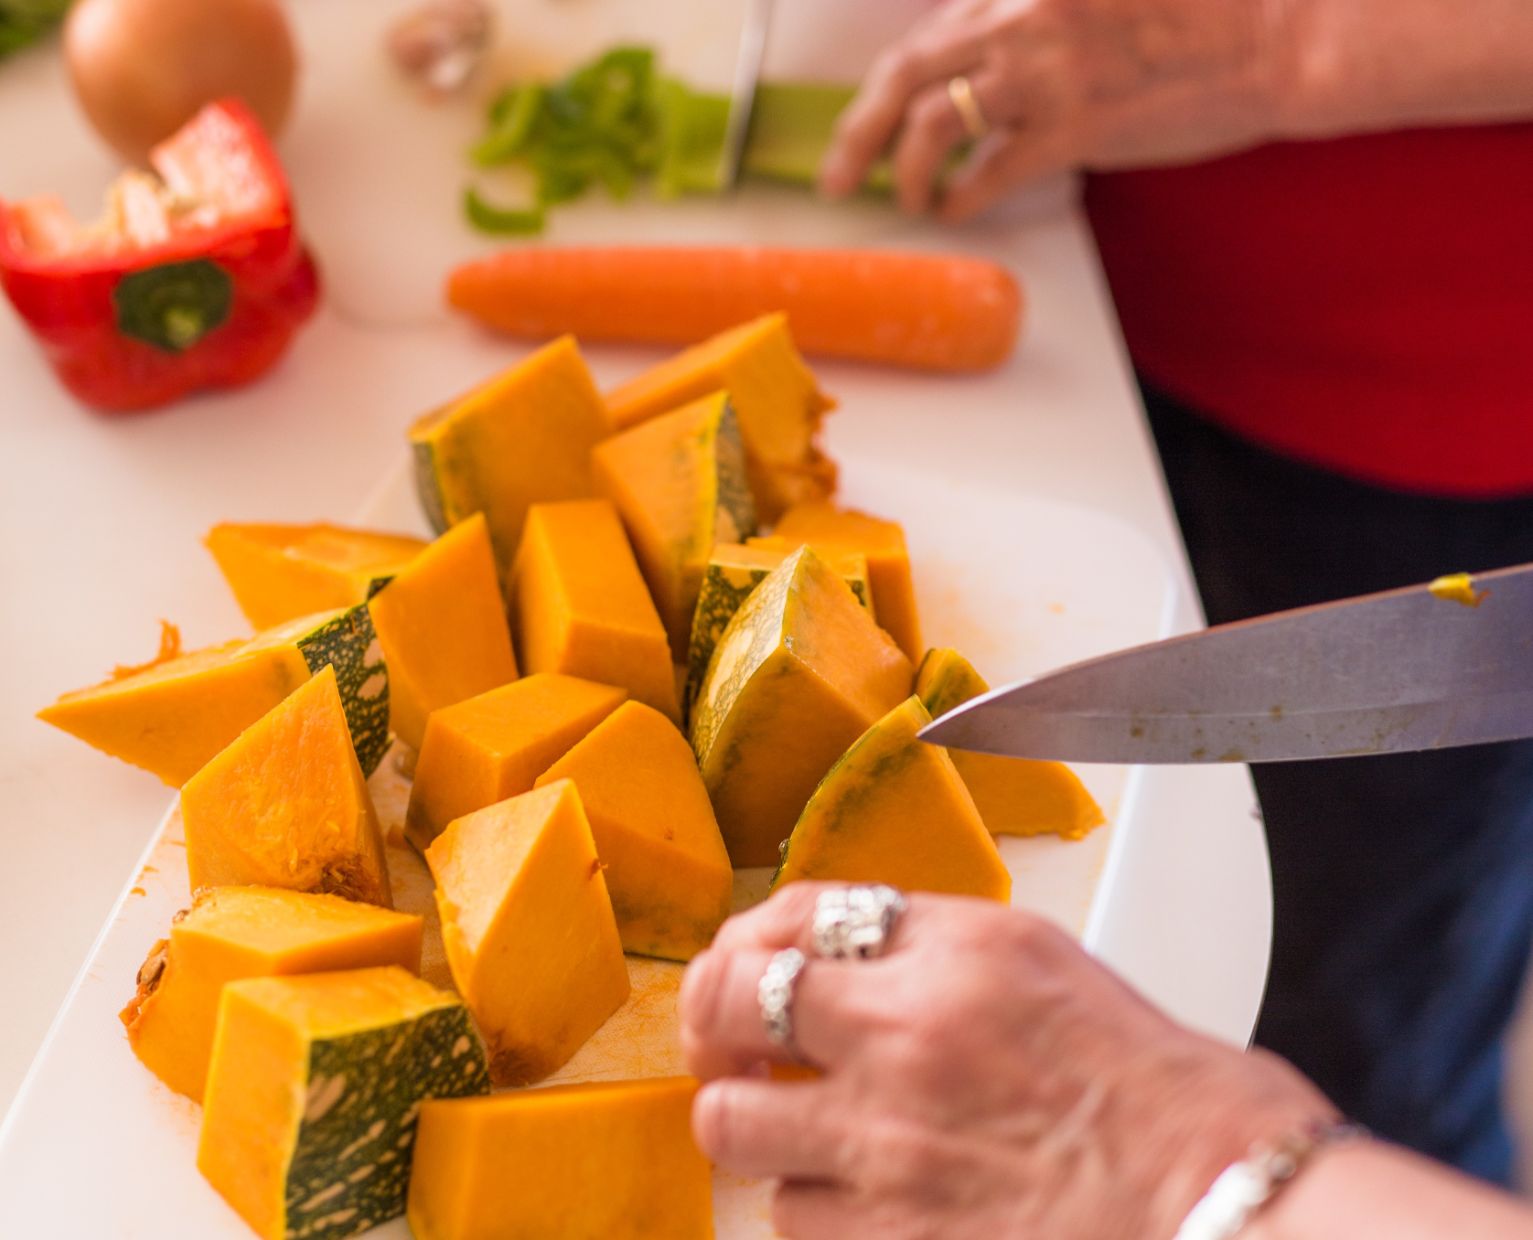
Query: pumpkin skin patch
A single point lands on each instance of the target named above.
(1015, 796)
(229, 933)
(301, 1132)
(281, 572)
(894, 810)
(614, 1160)
(529, 929)
(286, 805)
(442, 627)
(496, 745)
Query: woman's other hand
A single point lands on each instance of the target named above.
(1060, 84)
(983, 1078)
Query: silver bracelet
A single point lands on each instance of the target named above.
(1244, 1188)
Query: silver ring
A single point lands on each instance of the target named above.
(856, 922)
(774, 995)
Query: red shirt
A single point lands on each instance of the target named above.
(1364, 304)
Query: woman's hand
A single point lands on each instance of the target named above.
(1062, 84)
(984, 1078)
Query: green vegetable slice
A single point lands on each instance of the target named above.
(506, 221)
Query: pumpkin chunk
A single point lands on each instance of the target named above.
(678, 481)
(286, 805)
(309, 1120)
(234, 932)
(667, 869)
(528, 929)
(171, 716)
(615, 1160)
(1016, 796)
(779, 403)
(799, 674)
(894, 810)
(524, 436)
(733, 571)
(580, 605)
(281, 572)
(442, 625)
(883, 542)
(495, 746)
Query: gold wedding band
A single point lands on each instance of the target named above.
(961, 92)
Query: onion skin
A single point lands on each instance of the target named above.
(142, 68)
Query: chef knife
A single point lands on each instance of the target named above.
(742, 95)
(1428, 667)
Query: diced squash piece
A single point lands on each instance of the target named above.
(172, 715)
(678, 482)
(1016, 796)
(234, 932)
(309, 1122)
(581, 607)
(799, 674)
(614, 1160)
(667, 869)
(442, 625)
(733, 571)
(495, 746)
(281, 572)
(528, 928)
(522, 437)
(894, 810)
(779, 403)
(286, 805)
(883, 542)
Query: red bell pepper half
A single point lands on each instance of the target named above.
(193, 279)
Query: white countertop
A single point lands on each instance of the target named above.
(100, 519)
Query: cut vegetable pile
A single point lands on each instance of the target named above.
(646, 651)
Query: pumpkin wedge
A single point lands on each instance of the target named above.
(442, 626)
(614, 1160)
(580, 605)
(524, 436)
(528, 928)
(1016, 796)
(286, 805)
(281, 572)
(230, 933)
(800, 672)
(678, 482)
(883, 542)
(309, 1119)
(895, 810)
(779, 403)
(495, 745)
(667, 870)
(173, 714)
(733, 571)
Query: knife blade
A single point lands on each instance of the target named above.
(742, 95)
(1427, 667)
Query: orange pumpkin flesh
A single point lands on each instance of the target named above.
(285, 805)
(495, 746)
(667, 869)
(895, 810)
(235, 932)
(442, 626)
(779, 403)
(581, 607)
(528, 928)
(615, 1160)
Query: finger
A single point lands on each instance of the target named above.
(722, 1033)
(1001, 165)
(933, 128)
(807, 1211)
(869, 122)
(766, 1129)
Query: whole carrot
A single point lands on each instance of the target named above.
(928, 311)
